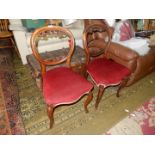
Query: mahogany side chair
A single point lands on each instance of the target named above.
(60, 85)
(6, 36)
(103, 71)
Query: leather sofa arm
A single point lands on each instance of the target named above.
(122, 52)
(115, 49)
(123, 55)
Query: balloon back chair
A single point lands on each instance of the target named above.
(60, 85)
(103, 71)
(6, 36)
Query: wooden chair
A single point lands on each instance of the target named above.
(6, 36)
(60, 85)
(103, 71)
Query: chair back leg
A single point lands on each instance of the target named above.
(15, 47)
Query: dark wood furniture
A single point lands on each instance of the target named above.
(60, 85)
(6, 36)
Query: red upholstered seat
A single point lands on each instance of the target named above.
(106, 72)
(63, 86)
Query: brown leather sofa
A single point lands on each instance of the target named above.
(139, 65)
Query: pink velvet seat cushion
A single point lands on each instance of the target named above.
(106, 72)
(63, 86)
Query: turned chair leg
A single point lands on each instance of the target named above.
(15, 47)
(50, 110)
(89, 98)
(122, 85)
(99, 96)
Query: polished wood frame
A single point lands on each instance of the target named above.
(58, 32)
(6, 34)
(91, 30)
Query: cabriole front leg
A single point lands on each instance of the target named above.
(50, 111)
(99, 96)
(88, 100)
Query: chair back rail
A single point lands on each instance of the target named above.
(93, 33)
(4, 25)
(46, 32)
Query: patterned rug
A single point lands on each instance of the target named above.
(10, 116)
(140, 122)
(72, 119)
(4, 121)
